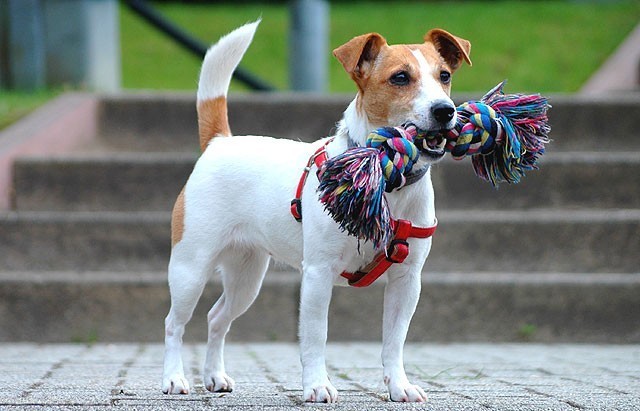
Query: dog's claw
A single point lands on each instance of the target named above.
(325, 393)
(219, 382)
(406, 393)
(176, 384)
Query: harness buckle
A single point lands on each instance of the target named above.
(398, 251)
(296, 209)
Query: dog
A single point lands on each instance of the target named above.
(233, 214)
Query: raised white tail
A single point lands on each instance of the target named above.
(215, 75)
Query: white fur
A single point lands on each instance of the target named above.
(354, 124)
(237, 216)
(430, 93)
(221, 59)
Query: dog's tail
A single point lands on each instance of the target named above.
(217, 68)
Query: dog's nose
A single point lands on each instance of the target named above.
(443, 112)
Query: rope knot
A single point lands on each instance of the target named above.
(352, 184)
(397, 154)
(479, 134)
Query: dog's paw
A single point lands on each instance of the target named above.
(321, 392)
(175, 384)
(218, 382)
(405, 392)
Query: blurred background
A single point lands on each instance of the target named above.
(543, 46)
(87, 181)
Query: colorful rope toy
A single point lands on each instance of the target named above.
(503, 133)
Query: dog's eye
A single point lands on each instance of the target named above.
(445, 77)
(401, 78)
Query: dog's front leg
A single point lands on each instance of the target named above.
(315, 295)
(400, 300)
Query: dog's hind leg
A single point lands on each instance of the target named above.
(188, 274)
(242, 270)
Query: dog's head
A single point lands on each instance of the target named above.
(405, 83)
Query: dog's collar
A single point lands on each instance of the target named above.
(415, 176)
(318, 158)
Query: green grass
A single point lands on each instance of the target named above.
(16, 104)
(545, 46)
(151, 61)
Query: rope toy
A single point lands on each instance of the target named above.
(503, 133)
(352, 184)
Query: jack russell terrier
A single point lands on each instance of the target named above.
(233, 214)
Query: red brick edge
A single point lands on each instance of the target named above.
(57, 127)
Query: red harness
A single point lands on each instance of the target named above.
(398, 249)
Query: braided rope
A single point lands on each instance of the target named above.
(397, 155)
(503, 134)
(478, 135)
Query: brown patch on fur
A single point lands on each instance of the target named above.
(452, 48)
(177, 219)
(371, 62)
(382, 100)
(212, 120)
(358, 56)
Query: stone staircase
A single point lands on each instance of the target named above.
(85, 244)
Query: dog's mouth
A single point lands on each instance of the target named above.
(433, 146)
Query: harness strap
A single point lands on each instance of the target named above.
(398, 249)
(318, 158)
(396, 253)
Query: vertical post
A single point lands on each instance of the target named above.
(4, 55)
(24, 44)
(59, 42)
(308, 45)
(65, 42)
(83, 43)
(103, 44)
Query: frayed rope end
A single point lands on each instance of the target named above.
(352, 187)
(525, 131)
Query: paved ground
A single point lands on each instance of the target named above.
(456, 377)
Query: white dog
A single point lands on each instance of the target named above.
(234, 211)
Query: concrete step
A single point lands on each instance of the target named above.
(544, 240)
(167, 122)
(565, 180)
(454, 307)
(157, 122)
(101, 182)
(151, 181)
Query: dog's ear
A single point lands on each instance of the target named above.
(358, 54)
(452, 48)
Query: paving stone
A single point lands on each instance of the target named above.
(454, 376)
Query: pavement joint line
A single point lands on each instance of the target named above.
(47, 375)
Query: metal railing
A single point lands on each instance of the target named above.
(153, 17)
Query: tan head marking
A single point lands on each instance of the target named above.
(402, 83)
(358, 56)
